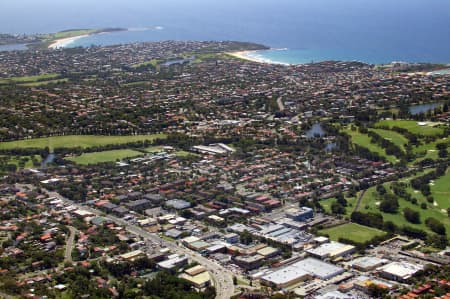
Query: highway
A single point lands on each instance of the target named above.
(221, 277)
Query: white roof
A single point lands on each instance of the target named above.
(311, 266)
(190, 239)
(330, 249)
(285, 275)
(404, 269)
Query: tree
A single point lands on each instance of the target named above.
(341, 200)
(438, 241)
(337, 208)
(381, 190)
(435, 225)
(376, 291)
(389, 205)
(246, 237)
(411, 215)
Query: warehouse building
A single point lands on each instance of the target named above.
(400, 271)
(300, 271)
(331, 250)
(367, 263)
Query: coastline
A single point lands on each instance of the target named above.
(254, 57)
(64, 42)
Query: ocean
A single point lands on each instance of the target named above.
(299, 31)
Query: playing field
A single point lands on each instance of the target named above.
(352, 231)
(105, 156)
(83, 141)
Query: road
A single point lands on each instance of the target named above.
(221, 277)
(280, 104)
(360, 197)
(70, 244)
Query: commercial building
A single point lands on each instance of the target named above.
(131, 256)
(268, 252)
(367, 263)
(231, 238)
(331, 250)
(400, 271)
(199, 281)
(178, 204)
(300, 214)
(214, 149)
(249, 262)
(300, 271)
(173, 262)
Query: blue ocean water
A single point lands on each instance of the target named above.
(375, 31)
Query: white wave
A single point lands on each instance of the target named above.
(138, 29)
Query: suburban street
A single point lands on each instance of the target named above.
(70, 244)
(221, 277)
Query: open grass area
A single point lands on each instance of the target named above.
(371, 201)
(105, 156)
(154, 63)
(396, 138)
(20, 161)
(66, 34)
(40, 83)
(211, 56)
(29, 79)
(364, 141)
(441, 191)
(352, 231)
(154, 149)
(412, 126)
(83, 141)
(184, 154)
(351, 202)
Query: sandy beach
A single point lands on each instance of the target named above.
(245, 55)
(63, 42)
(252, 56)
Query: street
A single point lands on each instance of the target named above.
(221, 277)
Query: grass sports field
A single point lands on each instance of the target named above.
(83, 141)
(352, 231)
(105, 156)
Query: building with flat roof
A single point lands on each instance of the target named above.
(173, 262)
(331, 250)
(199, 281)
(130, 256)
(178, 204)
(249, 262)
(213, 149)
(195, 270)
(300, 214)
(231, 238)
(268, 252)
(400, 271)
(367, 263)
(300, 271)
(198, 245)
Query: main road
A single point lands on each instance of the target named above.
(221, 277)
